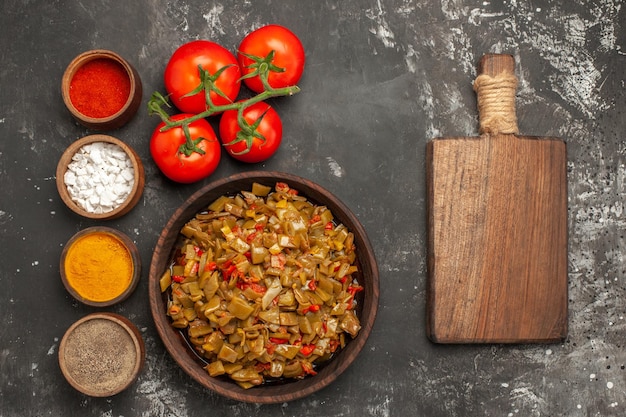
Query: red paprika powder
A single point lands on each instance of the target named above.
(100, 88)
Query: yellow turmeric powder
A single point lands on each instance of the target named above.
(98, 266)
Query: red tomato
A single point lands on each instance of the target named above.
(166, 151)
(288, 55)
(253, 146)
(182, 75)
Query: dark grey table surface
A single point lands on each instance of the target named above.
(383, 77)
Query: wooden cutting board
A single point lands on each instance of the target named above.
(497, 225)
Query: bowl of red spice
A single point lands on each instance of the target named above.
(101, 89)
(100, 177)
(100, 266)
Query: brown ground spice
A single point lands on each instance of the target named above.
(100, 355)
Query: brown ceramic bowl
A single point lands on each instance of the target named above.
(122, 288)
(101, 354)
(175, 342)
(109, 121)
(119, 210)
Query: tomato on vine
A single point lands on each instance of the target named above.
(203, 79)
(274, 47)
(258, 139)
(199, 71)
(182, 157)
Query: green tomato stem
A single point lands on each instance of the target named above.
(190, 146)
(240, 105)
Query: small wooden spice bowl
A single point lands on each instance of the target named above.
(100, 266)
(116, 89)
(178, 346)
(102, 354)
(114, 212)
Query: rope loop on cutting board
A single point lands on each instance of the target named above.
(496, 103)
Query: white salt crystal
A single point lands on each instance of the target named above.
(120, 189)
(69, 178)
(96, 156)
(80, 171)
(119, 154)
(128, 174)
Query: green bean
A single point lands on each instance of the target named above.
(264, 283)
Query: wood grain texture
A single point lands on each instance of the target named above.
(497, 224)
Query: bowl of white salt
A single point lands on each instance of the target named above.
(100, 177)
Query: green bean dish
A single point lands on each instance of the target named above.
(263, 284)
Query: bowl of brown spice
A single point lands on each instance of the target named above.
(101, 89)
(100, 266)
(101, 354)
(264, 287)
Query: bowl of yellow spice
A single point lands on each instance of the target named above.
(100, 266)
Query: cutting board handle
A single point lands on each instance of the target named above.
(495, 88)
